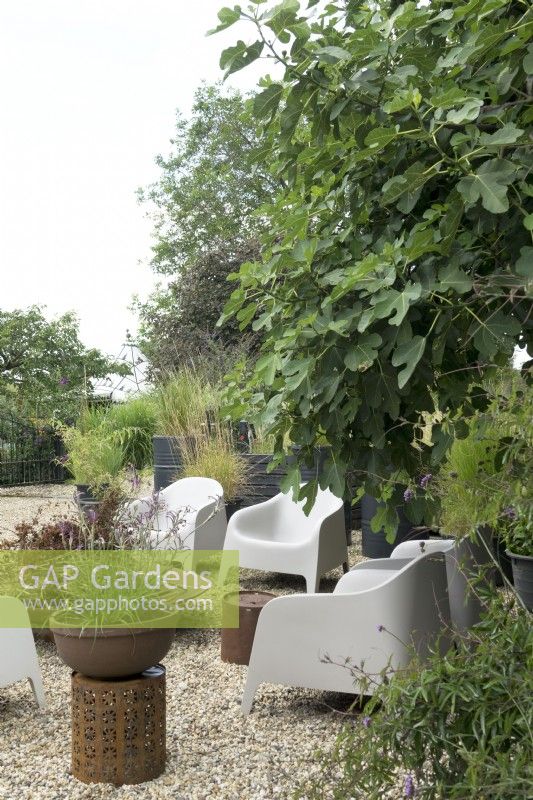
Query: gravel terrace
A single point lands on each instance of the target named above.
(213, 751)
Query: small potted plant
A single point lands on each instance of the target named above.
(94, 459)
(102, 652)
(518, 536)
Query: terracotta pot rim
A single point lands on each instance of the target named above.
(104, 633)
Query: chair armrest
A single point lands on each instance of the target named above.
(304, 629)
(251, 512)
(369, 575)
(419, 547)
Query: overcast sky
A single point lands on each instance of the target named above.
(88, 98)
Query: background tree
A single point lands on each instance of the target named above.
(179, 323)
(203, 209)
(398, 263)
(44, 367)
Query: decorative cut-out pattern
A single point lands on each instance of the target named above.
(119, 728)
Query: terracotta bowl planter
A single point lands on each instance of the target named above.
(112, 652)
(45, 634)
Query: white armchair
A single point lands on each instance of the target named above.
(18, 659)
(276, 536)
(198, 504)
(468, 568)
(373, 618)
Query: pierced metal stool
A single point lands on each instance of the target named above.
(119, 728)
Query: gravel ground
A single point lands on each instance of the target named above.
(26, 502)
(213, 752)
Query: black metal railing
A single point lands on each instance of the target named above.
(29, 454)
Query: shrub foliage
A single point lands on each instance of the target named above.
(399, 258)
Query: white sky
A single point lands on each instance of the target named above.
(88, 95)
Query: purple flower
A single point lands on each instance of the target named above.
(425, 479)
(63, 381)
(63, 459)
(134, 479)
(509, 512)
(366, 722)
(380, 628)
(408, 495)
(409, 786)
(92, 516)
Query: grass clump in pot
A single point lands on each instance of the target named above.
(215, 457)
(183, 403)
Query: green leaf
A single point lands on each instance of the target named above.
(449, 98)
(239, 56)
(291, 113)
(308, 492)
(268, 414)
(227, 17)
(266, 102)
(410, 294)
(527, 61)
(528, 222)
(407, 186)
(333, 474)
(452, 277)
(267, 367)
(339, 106)
(449, 224)
(467, 113)
(420, 242)
(332, 54)
(380, 137)
(297, 371)
(384, 304)
(401, 100)
(506, 135)
(524, 265)
(305, 250)
(363, 353)
(490, 183)
(496, 334)
(408, 353)
(282, 15)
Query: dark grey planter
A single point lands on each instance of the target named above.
(261, 485)
(168, 459)
(469, 570)
(86, 499)
(523, 577)
(375, 544)
(232, 507)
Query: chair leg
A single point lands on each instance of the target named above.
(345, 567)
(249, 693)
(36, 684)
(312, 584)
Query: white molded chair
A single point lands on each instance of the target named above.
(419, 547)
(199, 503)
(18, 656)
(373, 617)
(277, 536)
(465, 563)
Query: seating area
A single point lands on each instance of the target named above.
(307, 645)
(212, 749)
